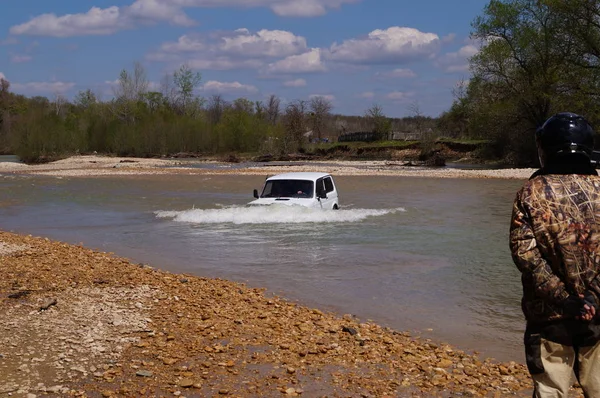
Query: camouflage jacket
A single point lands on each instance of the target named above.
(555, 241)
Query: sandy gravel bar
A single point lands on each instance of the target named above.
(101, 165)
(78, 322)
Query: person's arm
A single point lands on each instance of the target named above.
(529, 260)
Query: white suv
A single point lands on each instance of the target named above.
(304, 189)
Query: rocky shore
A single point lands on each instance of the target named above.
(78, 322)
(103, 165)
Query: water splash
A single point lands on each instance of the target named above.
(274, 214)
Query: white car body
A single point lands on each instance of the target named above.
(316, 190)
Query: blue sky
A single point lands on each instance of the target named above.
(356, 53)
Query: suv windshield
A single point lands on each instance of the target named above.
(288, 189)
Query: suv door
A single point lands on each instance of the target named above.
(327, 186)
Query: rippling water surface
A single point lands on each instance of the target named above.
(425, 255)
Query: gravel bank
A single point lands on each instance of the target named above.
(78, 322)
(100, 165)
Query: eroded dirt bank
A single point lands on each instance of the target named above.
(76, 322)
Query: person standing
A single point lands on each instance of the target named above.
(555, 243)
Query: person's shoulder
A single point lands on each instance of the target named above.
(535, 184)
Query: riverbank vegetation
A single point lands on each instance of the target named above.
(176, 122)
(536, 58)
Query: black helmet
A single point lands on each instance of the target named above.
(564, 134)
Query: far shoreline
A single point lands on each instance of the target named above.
(95, 165)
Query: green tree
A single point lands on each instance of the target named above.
(186, 81)
(520, 70)
(85, 99)
(380, 124)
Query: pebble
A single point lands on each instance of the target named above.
(186, 383)
(207, 348)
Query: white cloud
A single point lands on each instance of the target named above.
(457, 61)
(184, 44)
(299, 8)
(228, 87)
(304, 63)
(264, 43)
(449, 38)
(295, 83)
(43, 87)
(158, 10)
(105, 21)
(399, 96)
(17, 59)
(393, 45)
(9, 41)
(284, 8)
(222, 63)
(113, 84)
(367, 95)
(102, 21)
(96, 21)
(227, 50)
(397, 73)
(2, 76)
(327, 97)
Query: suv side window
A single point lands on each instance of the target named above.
(319, 188)
(328, 185)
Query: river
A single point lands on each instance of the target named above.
(424, 255)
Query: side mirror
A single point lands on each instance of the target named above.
(256, 193)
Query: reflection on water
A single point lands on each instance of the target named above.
(419, 254)
(9, 158)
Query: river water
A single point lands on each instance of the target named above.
(424, 255)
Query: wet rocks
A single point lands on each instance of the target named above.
(143, 332)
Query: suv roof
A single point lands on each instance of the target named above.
(298, 176)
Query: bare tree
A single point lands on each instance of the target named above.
(216, 106)
(415, 109)
(60, 101)
(459, 91)
(132, 86)
(295, 124)
(320, 109)
(168, 89)
(140, 81)
(426, 136)
(130, 89)
(273, 109)
(4, 87)
(260, 110)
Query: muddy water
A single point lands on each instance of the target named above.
(419, 254)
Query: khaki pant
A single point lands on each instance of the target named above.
(559, 362)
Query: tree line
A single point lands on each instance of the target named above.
(173, 120)
(537, 58)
